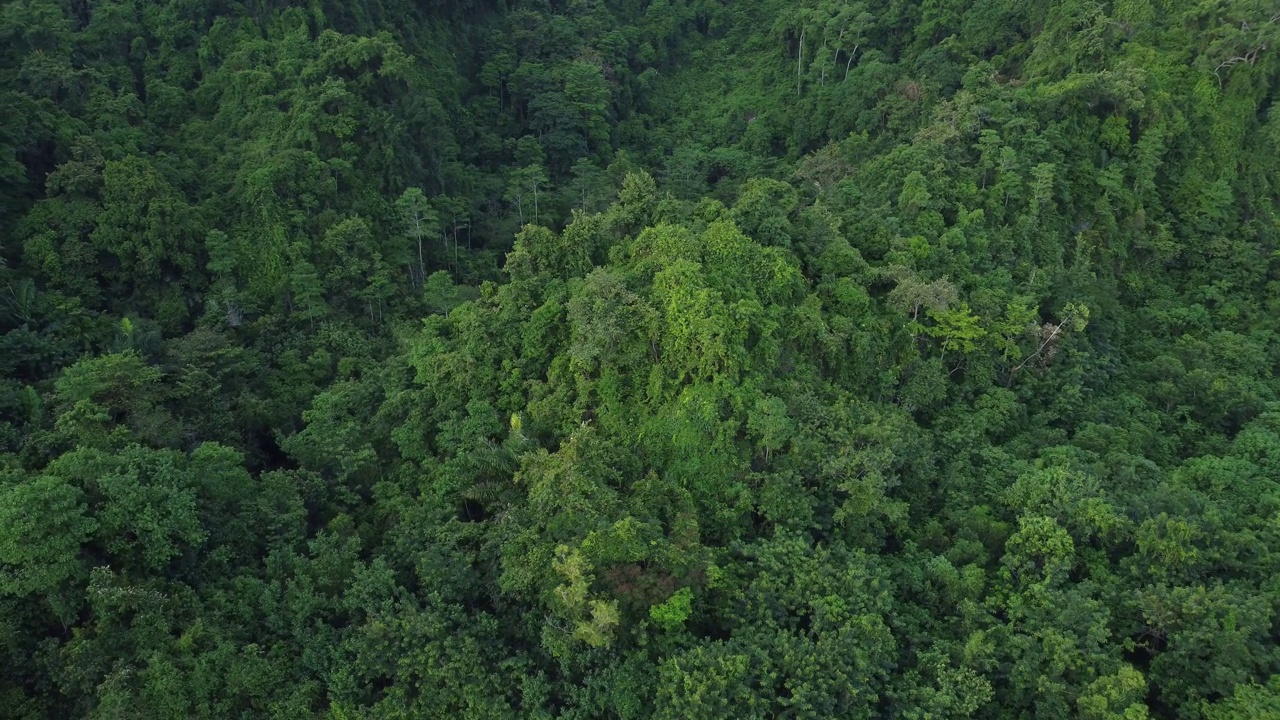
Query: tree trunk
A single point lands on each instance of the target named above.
(822, 71)
(799, 62)
(422, 266)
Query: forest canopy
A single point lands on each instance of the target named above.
(640, 359)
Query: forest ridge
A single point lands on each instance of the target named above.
(670, 359)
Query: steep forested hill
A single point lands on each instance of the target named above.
(640, 359)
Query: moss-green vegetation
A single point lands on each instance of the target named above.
(613, 359)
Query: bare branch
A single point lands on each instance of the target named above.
(1053, 334)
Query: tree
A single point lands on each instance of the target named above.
(99, 397)
(802, 627)
(523, 183)
(421, 223)
(144, 503)
(1248, 701)
(45, 524)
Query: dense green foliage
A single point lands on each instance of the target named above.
(670, 359)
